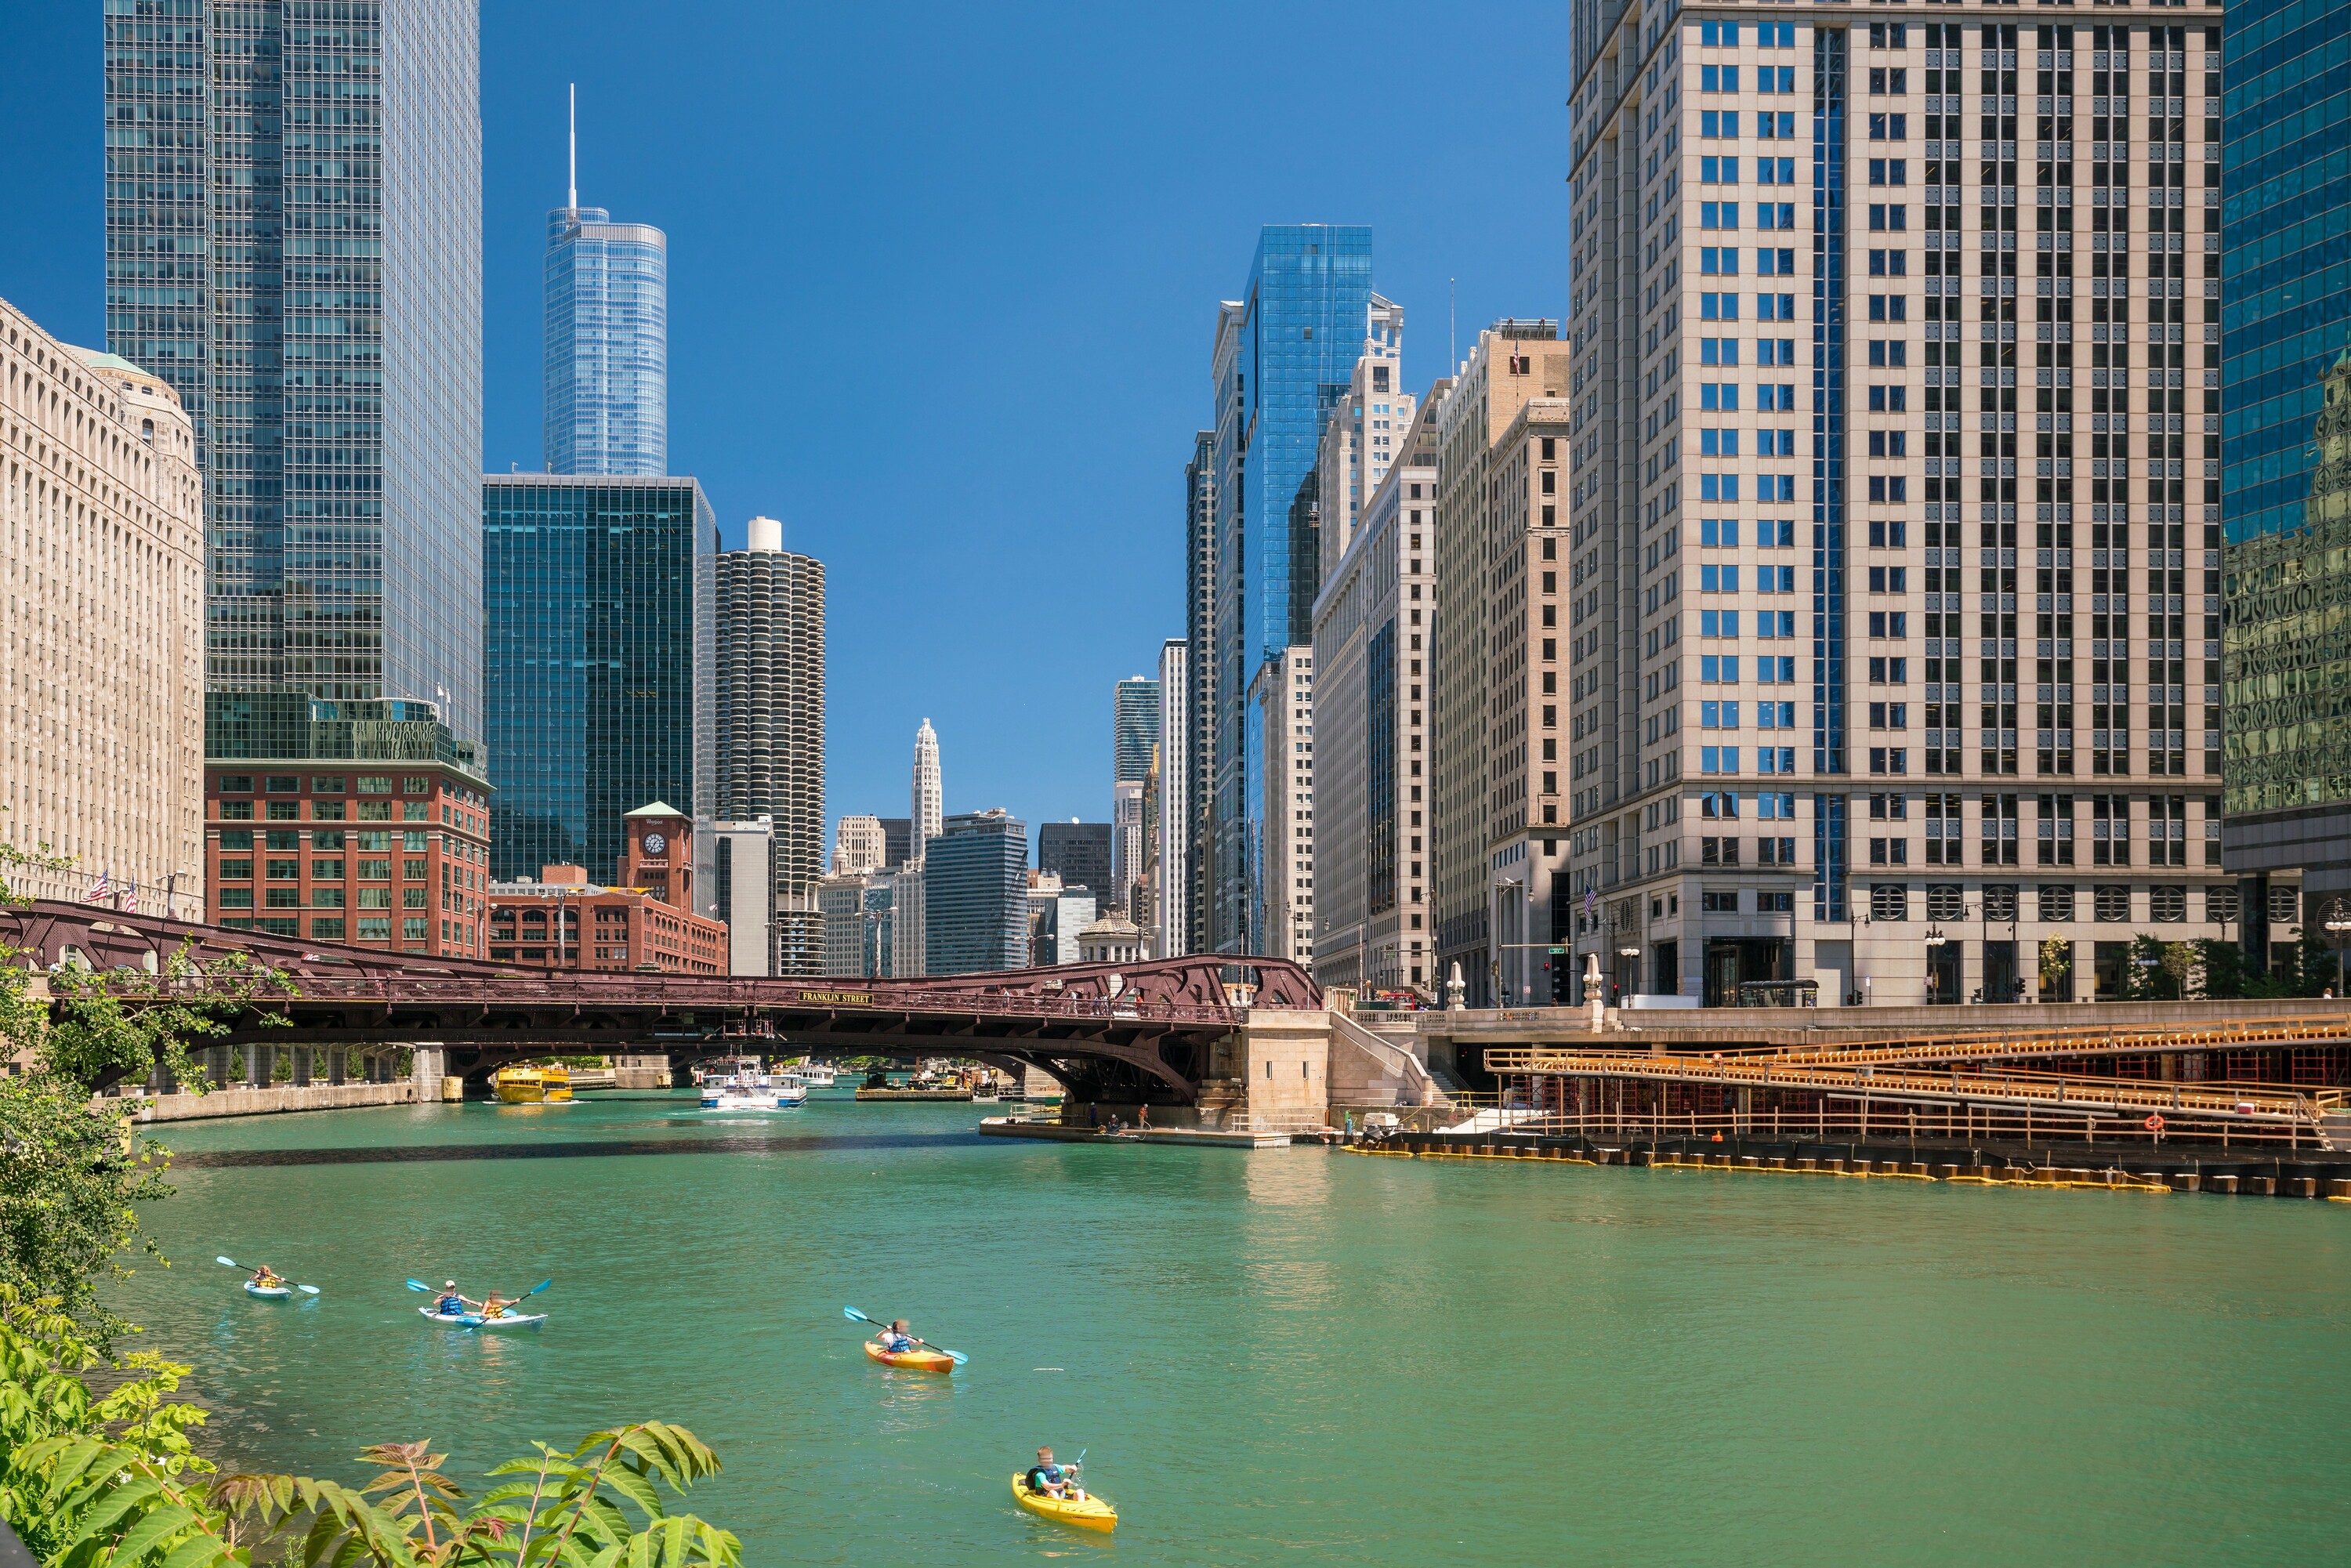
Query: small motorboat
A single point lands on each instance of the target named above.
(912, 1360)
(815, 1074)
(532, 1085)
(476, 1321)
(268, 1292)
(1088, 1512)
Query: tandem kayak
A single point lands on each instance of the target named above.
(268, 1292)
(1089, 1513)
(912, 1360)
(475, 1319)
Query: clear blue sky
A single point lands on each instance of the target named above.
(943, 281)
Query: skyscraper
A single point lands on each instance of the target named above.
(770, 718)
(294, 243)
(1173, 820)
(1362, 435)
(1079, 853)
(926, 795)
(858, 845)
(1910, 501)
(2285, 453)
(1202, 651)
(1133, 728)
(976, 895)
(1282, 356)
(607, 341)
(598, 646)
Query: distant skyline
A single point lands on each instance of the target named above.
(1060, 194)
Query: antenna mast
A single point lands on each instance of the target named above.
(575, 146)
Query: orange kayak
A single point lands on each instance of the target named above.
(912, 1360)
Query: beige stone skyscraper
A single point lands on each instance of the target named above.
(1894, 653)
(102, 667)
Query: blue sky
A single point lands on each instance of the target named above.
(942, 280)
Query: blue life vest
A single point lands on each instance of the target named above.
(451, 1307)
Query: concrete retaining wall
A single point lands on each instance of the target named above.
(251, 1102)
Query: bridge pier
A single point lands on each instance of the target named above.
(260, 1064)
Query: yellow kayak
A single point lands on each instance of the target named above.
(1089, 1512)
(912, 1360)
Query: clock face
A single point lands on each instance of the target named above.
(655, 844)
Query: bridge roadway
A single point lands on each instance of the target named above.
(1148, 1031)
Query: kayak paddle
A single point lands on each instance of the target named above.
(854, 1315)
(233, 1263)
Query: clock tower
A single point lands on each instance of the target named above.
(659, 854)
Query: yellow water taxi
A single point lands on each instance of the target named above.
(532, 1085)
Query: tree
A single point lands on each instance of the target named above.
(2223, 965)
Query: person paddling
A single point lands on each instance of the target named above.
(265, 1277)
(896, 1340)
(449, 1303)
(496, 1305)
(1052, 1480)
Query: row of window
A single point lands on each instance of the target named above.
(1725, 577)
(324, 784)
(1725, 759)
(324, 871)
(1714, 171)
(321, 898)
(1769, 623)
(1769, 79)
(1768, 215)
(1724, 352)
(1765, 35)
(1722, 261)
(1768, 307)
(1718, 714)
(1770, 669)
(331, 929)
(1770, 533)
(1722, 397)
(322, 838)
(2109, 903)
(1726, 488)
(325, 811)
(1771, 125)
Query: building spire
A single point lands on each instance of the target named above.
(575, 146)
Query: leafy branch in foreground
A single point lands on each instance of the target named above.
(111, 1481)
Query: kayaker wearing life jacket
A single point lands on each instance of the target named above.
(266, 1278)
(895, 1340)
(1052, 1480)
(449, 1303)
(496, 1305)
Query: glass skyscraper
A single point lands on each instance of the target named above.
(294, 242)
(2285, 450)
(976, 895)
(1284, 353)
(607, 344)
(599, 653)
(1134, 728)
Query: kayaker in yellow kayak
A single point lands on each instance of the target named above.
(1051, 1480)
(895, 1339)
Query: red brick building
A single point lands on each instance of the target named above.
(376, 853)
(563, 921)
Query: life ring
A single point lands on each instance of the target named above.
(2154, 1123)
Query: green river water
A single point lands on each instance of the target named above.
(1282, 1355)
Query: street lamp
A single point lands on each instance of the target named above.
(2337, 925)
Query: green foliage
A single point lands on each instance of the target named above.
(71, 1173)
(123, 1023)
(2159, 971)
(49, 1412)
(2222, 963)
(111, 1481)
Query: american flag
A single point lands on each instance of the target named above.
(131, 898)
(100, 893)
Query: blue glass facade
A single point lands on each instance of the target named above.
(607, 345)
(976, 895)
(598, 656)
(1283, 359)
(2285, 175)
(2285, 447)
(1134, 729)
(294, 242)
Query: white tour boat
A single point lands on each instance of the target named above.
(755, 1092)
